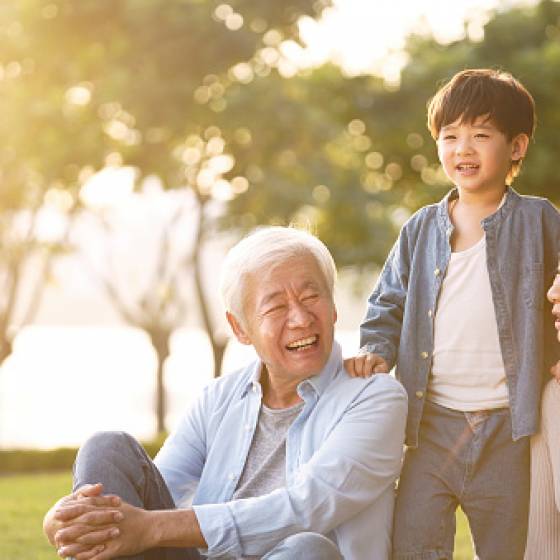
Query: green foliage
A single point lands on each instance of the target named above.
(368, 144)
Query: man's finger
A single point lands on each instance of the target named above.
(91, 553)
(73, 550)
(99, 537)
(89, 490)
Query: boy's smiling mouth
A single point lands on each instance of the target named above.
(467, 167)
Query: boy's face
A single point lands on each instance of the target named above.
(477, 156)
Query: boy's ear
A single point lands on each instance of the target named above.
(237, 329)
(519, 146)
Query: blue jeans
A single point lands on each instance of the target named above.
(119, 462)
(468, 460)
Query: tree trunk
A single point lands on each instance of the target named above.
(160, 342)
(218, 349)
(5, 348)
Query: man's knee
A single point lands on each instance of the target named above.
(311, 546)
(116, 448)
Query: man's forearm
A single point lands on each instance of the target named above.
(177, 528)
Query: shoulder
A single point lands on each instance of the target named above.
(537, 205)
(551, 399)
(380, 388)
(228, 386)
(425, 215)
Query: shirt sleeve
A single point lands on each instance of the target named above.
(380, 331)
(358, 461)
(181, 459)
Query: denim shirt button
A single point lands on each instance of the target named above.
(430, 313)
(437, 272)
(419, 394)
(424, 355)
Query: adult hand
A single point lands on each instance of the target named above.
(365, 364)
(133, 535)
(84, 520)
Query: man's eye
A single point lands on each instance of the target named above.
(275, 309)
(310, 298)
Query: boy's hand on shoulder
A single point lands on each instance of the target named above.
(365, 364)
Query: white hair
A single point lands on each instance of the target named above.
(263, 248)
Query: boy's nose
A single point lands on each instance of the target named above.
(463, 147)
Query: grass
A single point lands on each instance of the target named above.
(24, 499)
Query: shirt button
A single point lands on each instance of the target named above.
(424, 355)
(437, 272)
(430, 313)
(231, 476)
(248, 427)
(419, 394)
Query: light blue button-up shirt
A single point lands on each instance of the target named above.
(343, 454)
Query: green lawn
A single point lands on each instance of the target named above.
(25, 498)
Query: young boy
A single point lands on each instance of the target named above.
(459, 308)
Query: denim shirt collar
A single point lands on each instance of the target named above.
(317, 383)
(504, 210)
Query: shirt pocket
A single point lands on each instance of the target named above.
(533, 285)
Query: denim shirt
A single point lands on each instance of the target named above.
(343, 454)
(522, 245)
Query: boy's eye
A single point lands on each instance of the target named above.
(481, 135)
(449, 137)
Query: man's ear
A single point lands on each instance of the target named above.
(237, 329)
(519, 146)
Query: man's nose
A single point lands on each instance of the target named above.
(299, 316)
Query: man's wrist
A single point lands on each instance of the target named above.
(174, 528)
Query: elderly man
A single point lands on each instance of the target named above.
(290, 458)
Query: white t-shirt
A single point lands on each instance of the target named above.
(467, 369)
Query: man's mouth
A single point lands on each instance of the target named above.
(302, 343)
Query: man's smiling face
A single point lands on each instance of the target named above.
(289, 318)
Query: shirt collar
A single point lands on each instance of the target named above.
(318, 383)
(507, 203)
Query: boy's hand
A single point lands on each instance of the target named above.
(365, 364)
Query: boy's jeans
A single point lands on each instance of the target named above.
(121, 464)
(467, 459)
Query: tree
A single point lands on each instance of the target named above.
(353, 156)
(102, 82)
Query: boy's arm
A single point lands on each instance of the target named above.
(381, 329)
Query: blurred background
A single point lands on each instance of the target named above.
(139, 139)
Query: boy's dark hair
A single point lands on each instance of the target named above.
(480, 92)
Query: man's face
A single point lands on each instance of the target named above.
(289, 318)
(477, 156)
(554, 298)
